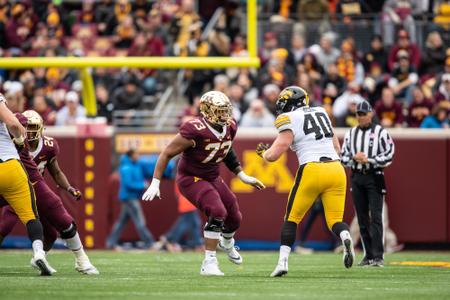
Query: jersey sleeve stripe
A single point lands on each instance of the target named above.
(278, 125)
(282, 118)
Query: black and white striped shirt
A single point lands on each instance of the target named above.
(374, 141)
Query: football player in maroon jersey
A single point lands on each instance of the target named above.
(44, 151)
(204, 142)
(54, 217)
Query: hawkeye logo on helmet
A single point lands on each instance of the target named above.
(286, 94)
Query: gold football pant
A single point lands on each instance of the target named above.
(318, 179)
(16, 189)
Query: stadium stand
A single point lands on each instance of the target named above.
(328, 47)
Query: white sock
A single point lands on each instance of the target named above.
(228, 240)
(284, 252)
(210, 254)
(345, 235)
(74, 243)
(80, 254)
(37, 246)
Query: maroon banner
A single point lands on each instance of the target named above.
(417, 181)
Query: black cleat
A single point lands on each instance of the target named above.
(349, 253)
(365, 262)
(377, 262)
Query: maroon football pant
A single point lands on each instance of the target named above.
(52, 214)
(214, 198)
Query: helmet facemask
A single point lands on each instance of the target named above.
(34, 132)
(35, 125)
(216, 109)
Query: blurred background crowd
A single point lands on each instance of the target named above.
(393, 53)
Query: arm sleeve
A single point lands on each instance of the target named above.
(283, 122)
(346, 152)
(231, 160)
(187, 131)
(387, 149)
(3, 99)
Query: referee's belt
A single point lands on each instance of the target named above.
(368, 171)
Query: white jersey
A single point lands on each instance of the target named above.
(7, 148)
(313, 133)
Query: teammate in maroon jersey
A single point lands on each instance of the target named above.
(44, 151)
(53, 215)
(204, 142)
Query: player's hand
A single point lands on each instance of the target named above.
(261, 148)
(19, 142)
(152, 191)
(74, 192)
(251, 180)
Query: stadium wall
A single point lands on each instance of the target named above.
(418, 186)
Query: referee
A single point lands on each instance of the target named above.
(367, 150)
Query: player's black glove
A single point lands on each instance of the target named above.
(261, 148)
(74, 192)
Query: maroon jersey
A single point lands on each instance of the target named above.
(46, 150)
(30, 165)
(202, 160)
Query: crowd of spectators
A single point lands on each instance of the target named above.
(407, 82)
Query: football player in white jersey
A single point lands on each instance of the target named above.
(308, 132)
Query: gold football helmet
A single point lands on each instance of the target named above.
(216, 108)
(35, 125)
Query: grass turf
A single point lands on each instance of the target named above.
(131, 275)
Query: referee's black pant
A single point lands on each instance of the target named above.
(368, 193)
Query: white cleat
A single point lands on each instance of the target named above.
(210, 267)
(349, 253)
(42, 264)
(233, 254)
(33, 264)
(281, 269)
(84, 266)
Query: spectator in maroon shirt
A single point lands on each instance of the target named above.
(388, 110)
(419, 108)
(146, 44)
(17, 30)
(404, 43)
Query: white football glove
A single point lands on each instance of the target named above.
(251, 180)
(152, 191)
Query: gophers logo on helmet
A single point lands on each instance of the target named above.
(216, 108)
(35, 125)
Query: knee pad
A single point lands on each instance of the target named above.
(69, 232)
(214, 225)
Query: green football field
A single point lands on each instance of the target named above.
(131, 275)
